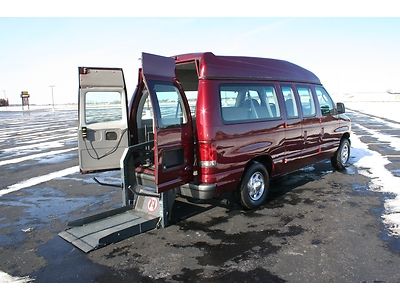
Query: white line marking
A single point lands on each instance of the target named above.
(37, 180)
(33, 156)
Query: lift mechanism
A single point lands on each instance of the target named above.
(143, 209)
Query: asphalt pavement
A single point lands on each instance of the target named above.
(319, 225)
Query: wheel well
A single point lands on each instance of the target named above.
(266, 160)
(345, 136)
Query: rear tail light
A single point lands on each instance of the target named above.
(208, 155)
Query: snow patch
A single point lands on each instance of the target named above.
(5, 278)
(39, 146)
(37, 180)
(34, 156)
(393, 141)
(372, 164)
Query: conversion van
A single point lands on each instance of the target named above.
(200, 125)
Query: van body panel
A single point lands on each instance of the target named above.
(248, 68)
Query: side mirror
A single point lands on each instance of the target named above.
(340, 108)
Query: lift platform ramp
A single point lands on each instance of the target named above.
(143, 209)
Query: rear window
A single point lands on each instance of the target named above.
(241, 103)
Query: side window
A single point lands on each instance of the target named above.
(146, 107)
(103, 106)
(272, 102)
(290, 102)
(325, 102)
(170, 104)
(240, 103)
(307, 101)
(191, 96)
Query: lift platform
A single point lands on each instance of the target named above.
(143, 209)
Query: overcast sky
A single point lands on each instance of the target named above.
(347, 54)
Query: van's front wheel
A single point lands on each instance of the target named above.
(254, 186)
(341, 158)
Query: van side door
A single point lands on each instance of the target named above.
(173, 134)
(330, 138)
(311, 127)
(293, 131)
(103, 118)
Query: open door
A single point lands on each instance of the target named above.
(173, 133)
(103, 124)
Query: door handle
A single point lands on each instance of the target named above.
(305, 136)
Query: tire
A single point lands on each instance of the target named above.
(254, 186)
(341, 158)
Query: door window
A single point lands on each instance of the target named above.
(171, 107)
(307, 101)
(290, 102)
(103, 106)
(325, 102)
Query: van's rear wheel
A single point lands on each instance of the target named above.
(341, 158)
(254, 186)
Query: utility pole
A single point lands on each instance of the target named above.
(52, 94)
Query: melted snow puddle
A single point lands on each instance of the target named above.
(373, 165)
(5, 278)
(37, 180)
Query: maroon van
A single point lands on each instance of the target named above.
(209, 124)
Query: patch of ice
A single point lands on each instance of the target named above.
(372, 164)
(5, 278)
(35, 156)
(37, 180)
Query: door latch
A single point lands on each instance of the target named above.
(84, 132)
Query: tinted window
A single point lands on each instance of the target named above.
(246, 103)
(102, 107)
(307, 101)
(170, 104)
(325, 102)
(290, 102)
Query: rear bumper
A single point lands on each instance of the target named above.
(198, 191)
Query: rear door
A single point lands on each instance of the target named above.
(173, 134)
(103, 125)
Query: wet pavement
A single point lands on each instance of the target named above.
(318, 226)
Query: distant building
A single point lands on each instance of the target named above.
(3, 102)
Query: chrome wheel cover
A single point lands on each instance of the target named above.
(256, 186)
(344, 155)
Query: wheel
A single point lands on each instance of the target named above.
(254, 186)
(341, 158)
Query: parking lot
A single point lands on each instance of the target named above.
(318, 226)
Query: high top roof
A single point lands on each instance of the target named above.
(250, 68)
